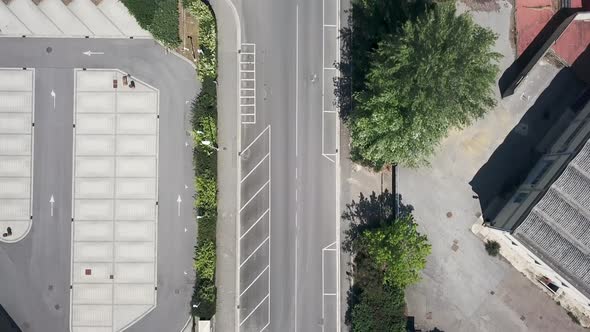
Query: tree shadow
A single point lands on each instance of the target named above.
(371, 212)
(368, 23)
(496, 181)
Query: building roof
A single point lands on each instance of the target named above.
(557, 228)
(6, 322)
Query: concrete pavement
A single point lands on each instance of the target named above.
(35, 287)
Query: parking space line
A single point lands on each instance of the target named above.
(255, 194)
(258, 277)
(253, 252)
(256, 222)
(254, 310)
(255, 167)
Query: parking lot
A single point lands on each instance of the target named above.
(115, 200)
(16, 153)
(254, 233)
(96, 256)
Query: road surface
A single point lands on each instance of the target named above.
(287, 236)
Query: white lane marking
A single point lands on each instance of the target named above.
(258, 277)
(256, 222)
(296, 150)
(53, 96)
(296, 80)
(254, 310)
(255, 250)
(257, 137)
(255, 167)
(327, 156)
(265, 326)
(179, 200)
(327, 248)
(90, 53)
(255, 194)
(51, 201)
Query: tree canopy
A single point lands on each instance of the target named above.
(380, 309)
(398, 251)
(436, 74)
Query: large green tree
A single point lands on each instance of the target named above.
(397, 250)
(436, 74)
(379, 309)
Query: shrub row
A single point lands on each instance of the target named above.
(204, 128)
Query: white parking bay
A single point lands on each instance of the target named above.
(16, 153)
(115, 201)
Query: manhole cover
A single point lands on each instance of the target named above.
(49, 49)
(177, 291)
(57, 306)
(50, 287)
(449, 214)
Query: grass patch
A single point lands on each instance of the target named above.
(159, 17)
(204, 128)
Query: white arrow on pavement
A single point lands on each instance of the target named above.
(179, 200)
(89, 53)
(51, 201)
(53, 95)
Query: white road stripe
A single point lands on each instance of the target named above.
(258, 277)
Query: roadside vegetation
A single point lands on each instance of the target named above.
(204, 133)
(492, 247)
(411, 72)
(388, 255)
(159, 17)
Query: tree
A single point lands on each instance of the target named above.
(380, 309)
(397, 249)
(435, 75)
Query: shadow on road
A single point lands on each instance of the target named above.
(508, 166)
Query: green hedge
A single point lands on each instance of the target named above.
(159, 17)
(207, 61)
(204, 127)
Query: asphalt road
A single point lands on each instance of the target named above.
(36, 271)
(288, 242)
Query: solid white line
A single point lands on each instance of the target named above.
(262, 216)
(330, 112)
(258, 277)
(253, 169)
(331, 249)
(330, 68)
(257, 137)
(330, 294)
(254, 310)
(253, 252)
(296, 146)
(255, 194)
(330, 25)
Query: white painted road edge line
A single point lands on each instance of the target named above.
(254, 310)
(296, 153)
(257, 137)
(256, 222)
(258, 277)
(255, 194)
(255, 250)
(255, 167)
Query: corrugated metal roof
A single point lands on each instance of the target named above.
(558, 227)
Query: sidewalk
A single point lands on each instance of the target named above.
(355, 180)
(227, 161)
